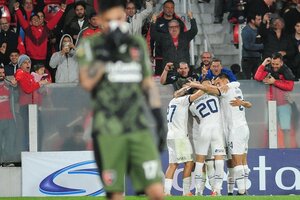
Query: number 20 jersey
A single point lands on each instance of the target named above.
(207, 109)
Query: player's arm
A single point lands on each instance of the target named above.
(90, 76)
(210, 89)
(240, 102)
(196, 95)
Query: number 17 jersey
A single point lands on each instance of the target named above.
(177, 117)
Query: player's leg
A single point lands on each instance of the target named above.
(230, 178)
(169, 177)
(111, 157)
(187, 170)
(284, 118)
(210, 171)
(239, 173)
(145, 166)
(199, 173)
(246, 169)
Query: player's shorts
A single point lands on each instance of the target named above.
(284, 116)
(209, 137)
(180, 150)
(238, 140)
(132, 153)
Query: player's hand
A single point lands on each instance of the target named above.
(14, 81)
(169, 66)
(266, 61)
(236, 102)
(224, 88)
(195, 84)
(269, 80)
(204, 71)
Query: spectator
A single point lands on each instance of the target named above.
(65, 62)
(251, 51)
(11, 68)
(236, 70)
(276, 40)
(78, 22)
(8, 36)
(7, 123)
(296, 42)
(178, 77)
(291, 17)
(92, 29)
(162, 22)
(260, 7)
(275, 73)
(175, 44)
(36, 34)
(216, 68)
(39, 73)
(206, 58)
(28, 89)
(136, 20)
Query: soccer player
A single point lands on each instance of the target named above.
(179, 145)
(235, 127)
(210, 135)
(115, 68)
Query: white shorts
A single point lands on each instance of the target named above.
(238, 140)
(180, 150)
(209, 136)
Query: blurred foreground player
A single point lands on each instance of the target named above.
(115, 67)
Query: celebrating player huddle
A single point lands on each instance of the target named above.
(219, 123)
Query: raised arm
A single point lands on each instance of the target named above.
(24, 24)
(240, 102)
(54, 21)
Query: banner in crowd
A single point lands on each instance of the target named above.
(273, 172)
(60, 174)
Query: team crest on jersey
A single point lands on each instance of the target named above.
(109, 177)
(135, 53)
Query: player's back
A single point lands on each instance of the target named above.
(207, 109)
(233, 116)
(177, 117)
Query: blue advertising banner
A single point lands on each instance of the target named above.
(273, 172)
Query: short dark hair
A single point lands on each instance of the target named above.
(169, 1)
(14, 51)
(93, 14)
(105, 5)
(252, 16)
(276, 56)
(216, 60)
(223, 76)
(80, 3)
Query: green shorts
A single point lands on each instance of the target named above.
(134, 154)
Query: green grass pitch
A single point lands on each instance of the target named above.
(290, 197)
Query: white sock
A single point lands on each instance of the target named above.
(186, 185)
(202, 186)
(239, 176)
(168, 185)
(198, 176)
(210, 170)
(219, 175)
(247, 171)
(230, 180)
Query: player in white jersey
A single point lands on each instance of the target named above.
(179, 145)
(209, 136)
(235, 127)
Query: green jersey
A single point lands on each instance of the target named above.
(118, 98)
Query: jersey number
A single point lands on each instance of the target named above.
(210, 106)
(170, 112)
